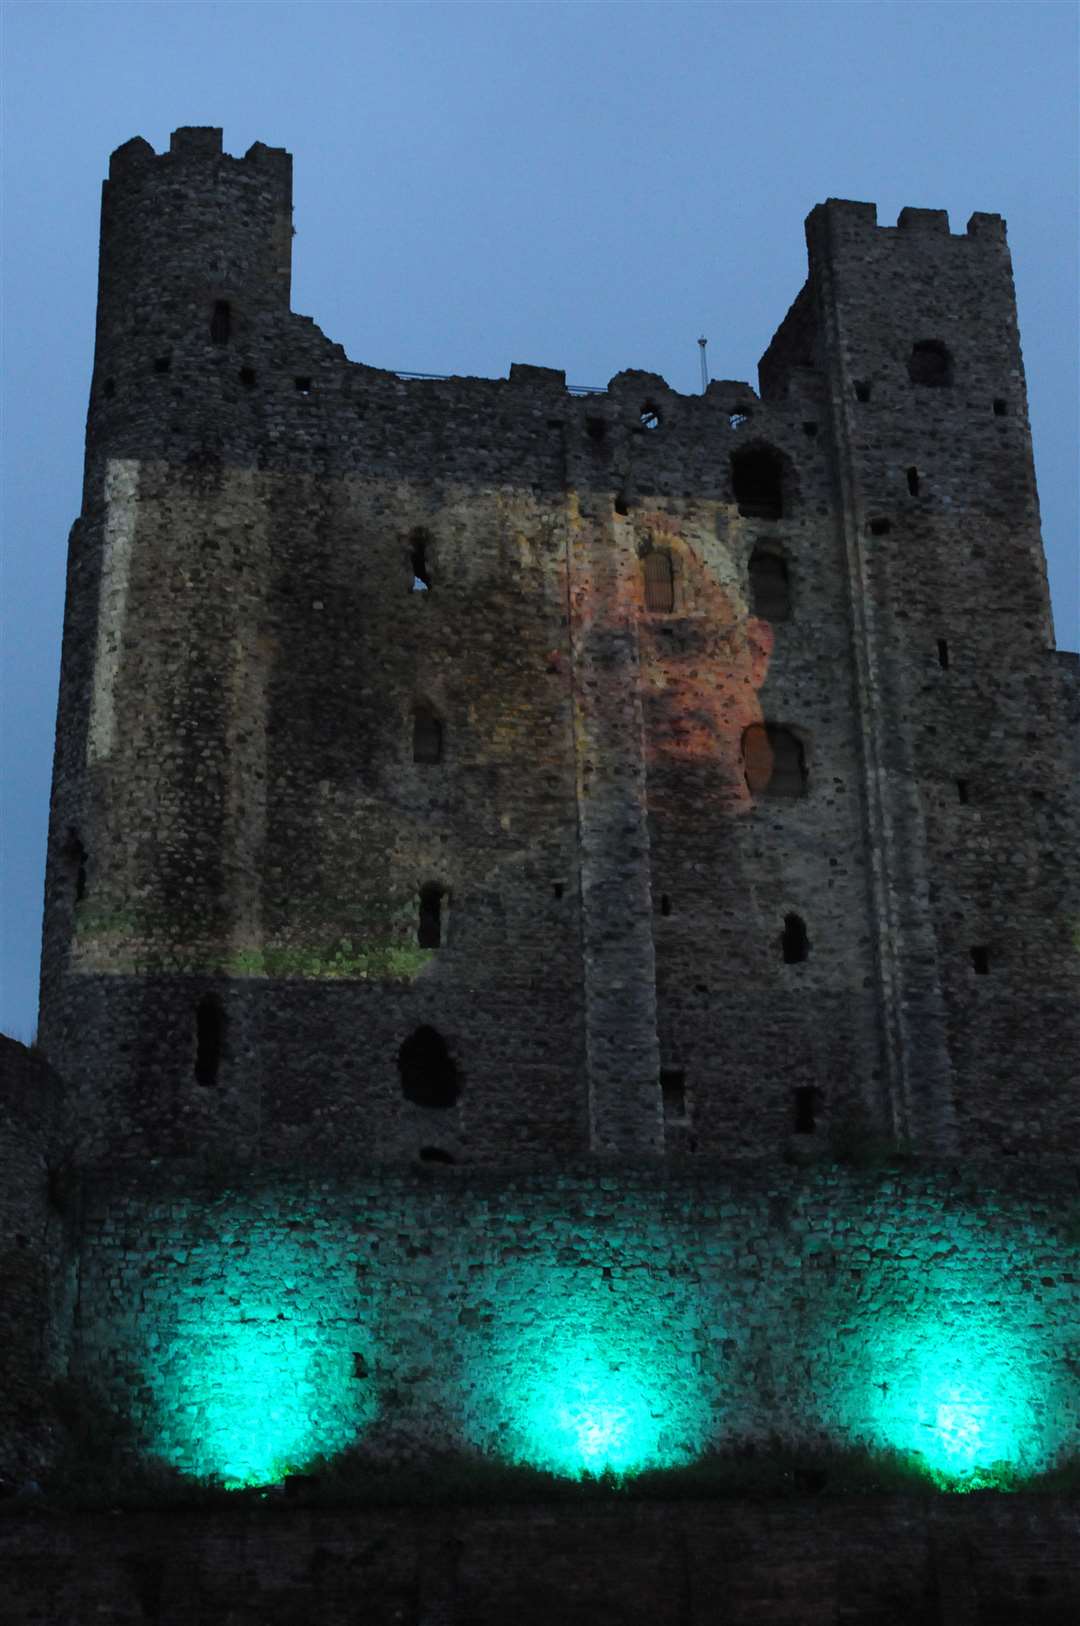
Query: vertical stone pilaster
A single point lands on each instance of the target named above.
(622, 1048)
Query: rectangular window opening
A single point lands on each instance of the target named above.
(673, 1094)
(943, 654)
(980, 959)
(962, 790)
(805, 1109)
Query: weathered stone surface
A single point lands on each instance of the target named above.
(802, 1562)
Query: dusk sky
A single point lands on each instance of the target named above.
(584, 186)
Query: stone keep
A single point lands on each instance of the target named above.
(477, 770)
(562, 909)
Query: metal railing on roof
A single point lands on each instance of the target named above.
(571, 389)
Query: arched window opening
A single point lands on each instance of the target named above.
(429, 928)
(659, 582)
(930, 363)
(770, 596)
(757, 476)
(429, 1077)
(209, 1039)
(418, 557)
(805, 1109)
(649, 417)
(774, 760)
(221, 322)
(427, 736)
(794, 941)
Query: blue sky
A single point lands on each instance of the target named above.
(580, 186)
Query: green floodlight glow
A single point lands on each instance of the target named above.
(252, 1364)
(589, 1415)
(969, 1410)
(580, 1380)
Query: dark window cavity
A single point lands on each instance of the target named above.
(429, 1077)
(913, 481)
(809, 429)
(650, 418)
(774, 760)
(805, 1109)
(303, 386)
(659, 582)
(221, 322)
(943, 654)
(558, 889)
(621, 504)
(209, 1039)
(665, 904)
(427, 736)
(980, 959)
(434, 1154)
(738, 416)
(109, 387)
(962, 790)
(162, 363)
(418, 556)
(794, 941)
(1001, 408)
(429, 926)
(930, 363)
(247, 377)
(769, 594)
(673, 1095)
(596, 429)
(757, 477)
(75, 854)
(862, 390)
(880, 527)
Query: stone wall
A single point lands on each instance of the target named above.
(584, 1321)
(34, 1261)
(967, 1561)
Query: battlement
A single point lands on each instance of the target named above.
(192, 142)
(863, 216)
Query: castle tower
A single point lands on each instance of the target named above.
(471, 770)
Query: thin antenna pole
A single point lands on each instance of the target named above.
(704, 366)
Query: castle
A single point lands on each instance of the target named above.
(561, 908)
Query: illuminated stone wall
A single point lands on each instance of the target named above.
(588, 1321)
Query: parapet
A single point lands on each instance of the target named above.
(855, 216)
(193, 142)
